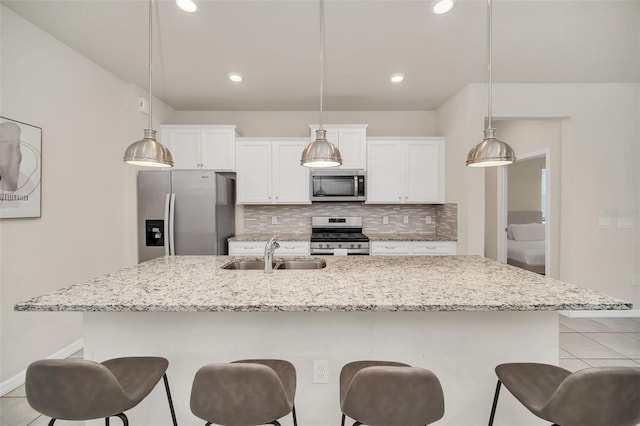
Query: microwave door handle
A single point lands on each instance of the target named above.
(355, 186)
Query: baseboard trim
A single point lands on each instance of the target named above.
(602, 314)
(18, 380)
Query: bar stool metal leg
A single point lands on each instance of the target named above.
(166, 387)
(293, 413)
(495, 403)
(342, 423)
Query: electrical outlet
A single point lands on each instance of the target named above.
(274, 220)
(385, 220)
(406, 219)
(428, 220)
(321, 371)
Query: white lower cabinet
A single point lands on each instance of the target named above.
(415, 248)
(250, 248)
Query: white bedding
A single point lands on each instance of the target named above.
(529, 252)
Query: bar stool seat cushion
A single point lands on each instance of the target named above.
(390, 394)
(77, 389)
(242, 393)
(599, 396)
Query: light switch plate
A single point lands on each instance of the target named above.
(385, 220)
(274, 220)
(406, 219)
(604, 222)
(143, 105)
(625, 222)
(428, 220)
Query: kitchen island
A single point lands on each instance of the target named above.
(458, 316)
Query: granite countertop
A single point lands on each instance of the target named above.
(408, 237)
(266, 237)
(348, 283)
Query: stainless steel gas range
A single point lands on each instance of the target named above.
(338, 235)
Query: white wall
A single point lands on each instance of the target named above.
(459, 119)
(525, 184)
(296, 123)
(87, 226)
(599, 171)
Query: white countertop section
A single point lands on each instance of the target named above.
(349, 283)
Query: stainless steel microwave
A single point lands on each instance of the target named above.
(337, 185)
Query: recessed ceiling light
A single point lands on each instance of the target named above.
(397, 78)
(187, 5)
(235, 77)
(440, 7)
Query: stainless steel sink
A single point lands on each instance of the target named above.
(246, 265)
(301, 264)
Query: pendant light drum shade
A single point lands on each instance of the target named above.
(490, 152)
(321, 152)
(148, 152)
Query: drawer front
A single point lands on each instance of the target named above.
(434, 248)
(390, 247)
(287, 248)
(241, 248)
(290, 248)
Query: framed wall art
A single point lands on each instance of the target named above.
(20, 169)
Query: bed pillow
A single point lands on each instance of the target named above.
(527, 231)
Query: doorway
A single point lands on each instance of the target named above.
(523, 217)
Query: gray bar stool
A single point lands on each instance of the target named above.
(247, 392)
(600, 396)
(78, 389)
(384, 393)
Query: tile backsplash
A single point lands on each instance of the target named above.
(297, 219)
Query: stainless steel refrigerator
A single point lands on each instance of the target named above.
(184, 212)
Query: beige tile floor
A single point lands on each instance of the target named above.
(584, 343)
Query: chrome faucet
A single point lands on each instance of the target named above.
(271, 247)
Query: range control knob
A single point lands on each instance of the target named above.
(353, 245)
(359, 245)
(319, 245)
(339, 245)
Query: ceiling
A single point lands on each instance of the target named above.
(274, 44)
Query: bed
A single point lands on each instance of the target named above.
(526, 240)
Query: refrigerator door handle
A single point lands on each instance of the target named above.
(167, 202)
(172, 233)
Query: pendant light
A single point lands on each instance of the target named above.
(491, 151)
(321, 152)
(148, 151)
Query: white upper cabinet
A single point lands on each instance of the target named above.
(269, 171)
(405, 171)
(351, 140)
(200, 146)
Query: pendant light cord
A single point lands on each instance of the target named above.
(489, 28)
(321, 60)
(150, 61)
